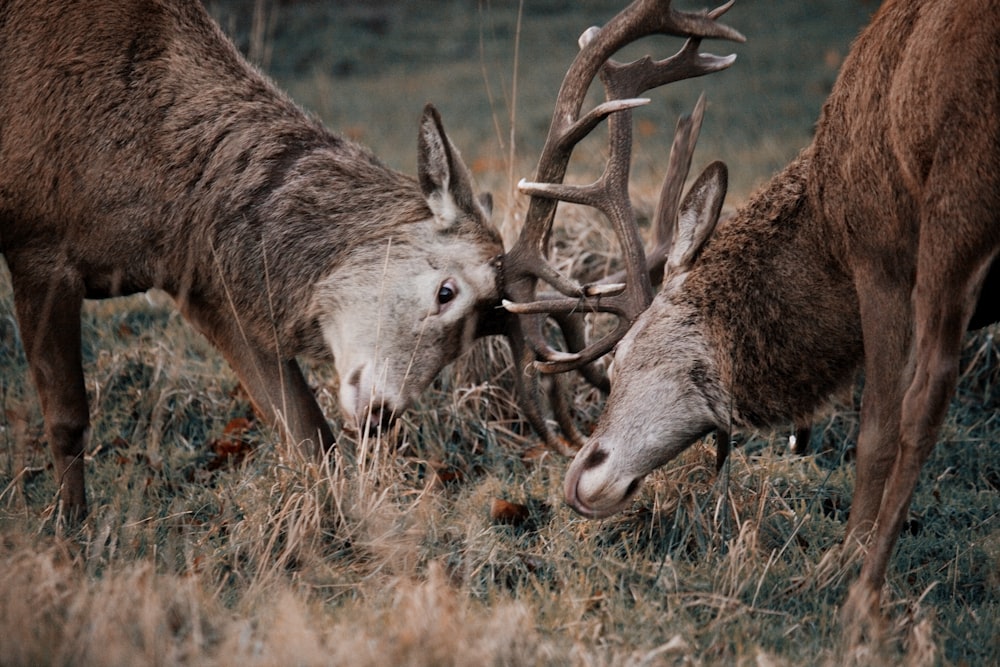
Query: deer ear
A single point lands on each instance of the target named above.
(444, 179)
(698, 216)
(486, 202)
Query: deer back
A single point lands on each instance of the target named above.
(913, 116)
(140, 150)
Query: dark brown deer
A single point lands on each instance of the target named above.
(871, 249)
(140, 150)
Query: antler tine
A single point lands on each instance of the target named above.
(527, 260)
(667, 208)
(665, 217)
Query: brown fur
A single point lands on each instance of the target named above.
(788, 319)
(872, 249)
(140, 150)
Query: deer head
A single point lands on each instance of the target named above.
(439, 276)
(667, 362)
(627, 294)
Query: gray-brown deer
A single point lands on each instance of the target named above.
(138, 149)
(872, 249)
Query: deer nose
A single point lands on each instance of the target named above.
(587, 458)
(592, 489)
(378, 416)
(371, 405)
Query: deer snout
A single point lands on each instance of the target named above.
(368, 406)
(377, 416)
(592, 487)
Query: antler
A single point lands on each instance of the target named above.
(629, 292)
(526, 263)
(572, 324)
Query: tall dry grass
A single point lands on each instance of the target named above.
(212, 543)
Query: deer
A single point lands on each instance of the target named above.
(141, 150)
(874, 249)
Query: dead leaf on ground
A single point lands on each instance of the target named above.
(503, 511)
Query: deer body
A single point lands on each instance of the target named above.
(870, 250)
(140, 150)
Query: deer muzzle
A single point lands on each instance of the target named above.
(592, 488)
(366, 404)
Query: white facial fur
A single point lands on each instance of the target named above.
(387, 325)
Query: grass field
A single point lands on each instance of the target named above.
(211, 543)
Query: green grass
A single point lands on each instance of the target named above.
(388, 555)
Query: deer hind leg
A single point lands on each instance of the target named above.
(49, 322)
(276, 386)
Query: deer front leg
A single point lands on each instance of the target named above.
(281, 395)
(276, 386)
(49, 322)
(884, 312)
(940, 323)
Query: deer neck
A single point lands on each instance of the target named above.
(777, 305)
(327, 214)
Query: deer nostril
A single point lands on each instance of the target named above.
(594, 459)
(355, 379)
(632, 488)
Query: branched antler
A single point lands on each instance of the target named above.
(627, 294)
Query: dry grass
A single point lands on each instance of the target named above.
(209, 543)
(387, 554)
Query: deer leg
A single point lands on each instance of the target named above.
(886, 343)
(49, 322)
(940, 322)
(276, 386)
(281, 394)
(886, 312)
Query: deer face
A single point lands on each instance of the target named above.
(392, 329)
(663, 390)
(394, 314)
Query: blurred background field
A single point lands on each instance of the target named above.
(212, 544)
(368, 68)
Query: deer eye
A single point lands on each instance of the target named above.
(447, 292)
